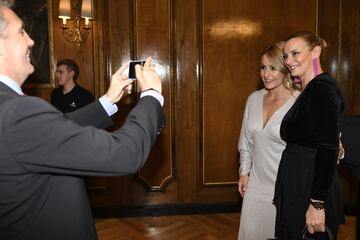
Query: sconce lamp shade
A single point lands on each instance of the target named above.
(64, 9)
(86, 9)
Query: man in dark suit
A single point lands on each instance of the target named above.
(44, 153)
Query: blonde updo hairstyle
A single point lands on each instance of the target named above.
(310, 38)
(274, 52)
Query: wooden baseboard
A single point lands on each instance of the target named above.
(164, 210)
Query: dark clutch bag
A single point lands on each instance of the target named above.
(307, 236)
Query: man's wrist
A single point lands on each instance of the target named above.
(109, 107)
(149, 89)
(154, 93)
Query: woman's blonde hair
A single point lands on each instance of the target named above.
(310, 38)
(275, 54)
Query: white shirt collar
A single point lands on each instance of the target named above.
(11, 84)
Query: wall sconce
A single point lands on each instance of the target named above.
(76, 35)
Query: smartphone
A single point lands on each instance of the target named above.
(132, 64)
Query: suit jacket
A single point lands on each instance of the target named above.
(350, 135)
(43, 155)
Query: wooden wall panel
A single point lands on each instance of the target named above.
(354, 32)
(329, 27)
(234, 33)
(116, 51)
(186, 71)
(139, 33)
(153, 38)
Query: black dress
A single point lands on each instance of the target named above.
(308, 164)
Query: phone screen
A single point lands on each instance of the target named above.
(132, 68)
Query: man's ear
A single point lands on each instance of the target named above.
(316, 52)
(72, 73)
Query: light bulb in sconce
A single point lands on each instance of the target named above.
(86, 11)
(64, 10)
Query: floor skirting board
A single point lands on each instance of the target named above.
(164, 210)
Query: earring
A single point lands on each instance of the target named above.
(316, 67)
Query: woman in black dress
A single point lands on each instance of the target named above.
(307, 192)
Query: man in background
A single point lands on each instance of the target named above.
(69, 96)
(44, 153)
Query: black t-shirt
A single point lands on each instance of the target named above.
(71, 101)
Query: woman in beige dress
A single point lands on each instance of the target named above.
(260, 145)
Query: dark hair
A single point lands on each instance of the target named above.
(71, 66)
(310, 38)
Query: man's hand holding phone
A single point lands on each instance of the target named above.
(146, 77)
(141, 70)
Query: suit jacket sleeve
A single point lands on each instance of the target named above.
(41, 139)
(93, 114)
